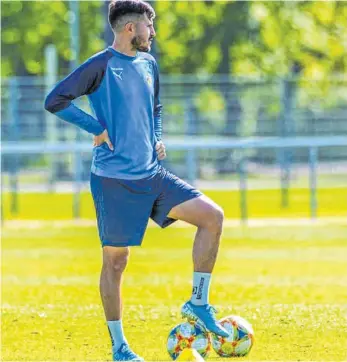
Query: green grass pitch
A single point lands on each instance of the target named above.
(260, 203)
(289, 282)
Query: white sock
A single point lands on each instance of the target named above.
(201, 288)
(116, 333)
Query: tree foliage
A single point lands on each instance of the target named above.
(260, 38)
(308, 35)
(238, 37)
(28, 26)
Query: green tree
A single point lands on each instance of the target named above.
(28, 26)
(238, 37)
(312, 35)
(260, 38)
(184, 39)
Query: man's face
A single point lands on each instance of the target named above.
(142, 40)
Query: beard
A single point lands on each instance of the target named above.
(139, 43)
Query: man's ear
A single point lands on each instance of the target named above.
(130, 27)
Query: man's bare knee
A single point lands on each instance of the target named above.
(214, 220)
(115, 259)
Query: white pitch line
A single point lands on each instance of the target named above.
(159, 280)
(268, 307)
(228, 223)
(311, 254)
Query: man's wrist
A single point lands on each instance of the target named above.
(99, 131)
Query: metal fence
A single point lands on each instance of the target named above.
(192, 145)
(205, 106)
(209, 125)
(216, 105)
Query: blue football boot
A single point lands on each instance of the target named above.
(204, 315)
(124, 353)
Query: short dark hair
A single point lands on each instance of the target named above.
(119, 8)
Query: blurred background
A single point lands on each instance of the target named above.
(255, 114)
(254, 95)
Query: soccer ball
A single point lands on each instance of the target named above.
(240, 341)
(188, 335)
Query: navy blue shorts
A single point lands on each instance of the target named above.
(123, 207)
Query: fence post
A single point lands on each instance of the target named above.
(2, 198)
(77, 159)
(287, 129)
(190, 129)
(313, 158)
(14, 137)
(242, 171)
(50, 80)
(285, 178)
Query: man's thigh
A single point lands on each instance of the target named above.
(172, 191)
(122, 208)
(200, 211)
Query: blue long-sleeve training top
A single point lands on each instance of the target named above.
(123, 92)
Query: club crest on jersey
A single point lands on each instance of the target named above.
(149, 79)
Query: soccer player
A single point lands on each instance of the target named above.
(128, 184)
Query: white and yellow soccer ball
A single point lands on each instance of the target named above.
(188, 335)
(240, 341)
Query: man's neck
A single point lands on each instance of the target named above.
(124, 48)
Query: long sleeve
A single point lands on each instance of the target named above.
(82, 81)
(157, 106)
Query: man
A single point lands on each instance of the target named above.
(128, 184)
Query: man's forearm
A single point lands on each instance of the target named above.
(157, 122)
(76, 116)
(157, 128)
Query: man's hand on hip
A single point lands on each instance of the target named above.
(101, 138)
(160, 148)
